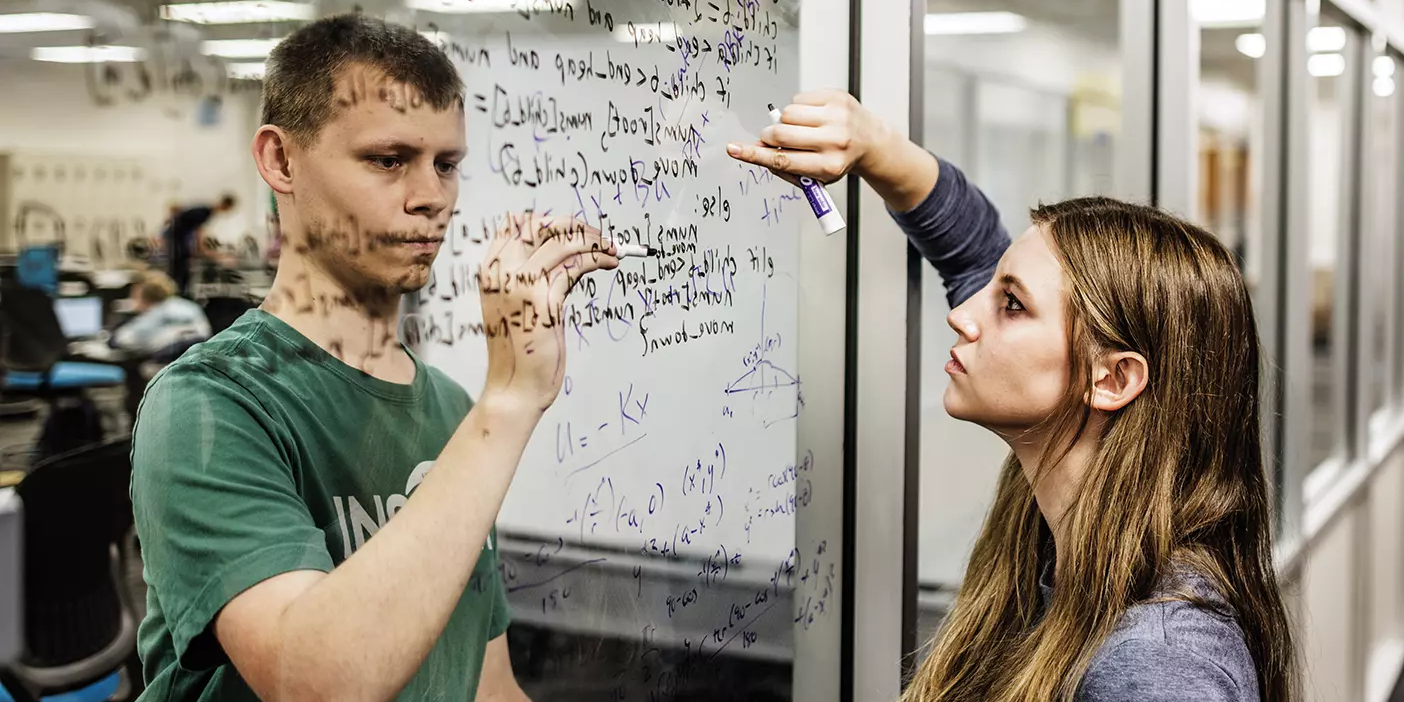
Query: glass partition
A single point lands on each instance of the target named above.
(1030, 109)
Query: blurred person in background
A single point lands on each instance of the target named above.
(162, 317)
(185, 238)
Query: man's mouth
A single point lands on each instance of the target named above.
(411, 240)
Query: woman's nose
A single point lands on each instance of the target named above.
(959, 319)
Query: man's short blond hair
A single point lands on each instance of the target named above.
(154, 287)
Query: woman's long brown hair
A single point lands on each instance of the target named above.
(1177, 478)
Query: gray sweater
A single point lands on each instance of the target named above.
(1161, 652)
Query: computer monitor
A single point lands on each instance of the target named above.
(79, 317)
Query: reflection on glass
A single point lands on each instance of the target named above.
(1031, 115)
(1330, 112)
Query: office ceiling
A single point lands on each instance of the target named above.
(1079, 20)
(1094, 20)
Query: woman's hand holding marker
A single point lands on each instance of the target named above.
(826, 134)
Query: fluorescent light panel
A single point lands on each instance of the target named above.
(1319, 40)
(87, 54)
(465, 6)
(1251, 45)
(956, 23)
(1326, 65)
(1384, 67)
(43, 22)
(239, 48)
(239, 12)
(1324, 39)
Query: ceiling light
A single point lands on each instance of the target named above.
(43, 22)
(239, 48)
(1251, 45)
(246, 71)
(1228, 13)
(1384, 86)
(647, 33)
(467, 6)
(87, 54)
(1322, 39)
(1326, 65)
(239, 12)
(1384, 67)
(948, 23)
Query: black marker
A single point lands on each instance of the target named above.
(627, 250)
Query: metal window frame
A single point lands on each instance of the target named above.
(1377, 291)
(1349, 284)
(876, 385)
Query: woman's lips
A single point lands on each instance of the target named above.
(954, 365)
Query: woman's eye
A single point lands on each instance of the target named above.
(384, 162)
(1012, 304)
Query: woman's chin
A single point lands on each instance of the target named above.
(956, 406)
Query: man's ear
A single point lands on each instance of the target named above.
(1117, 379)
(271, 148)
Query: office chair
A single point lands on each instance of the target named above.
(32, 345)
(80, 623)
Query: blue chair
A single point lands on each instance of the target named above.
(100, 691)
(38, 267)
(32, 346)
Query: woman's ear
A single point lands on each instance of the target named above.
(1117, 379)
(270, 152)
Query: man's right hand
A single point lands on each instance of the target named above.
(531, 265)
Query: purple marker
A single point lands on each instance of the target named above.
(819, 201)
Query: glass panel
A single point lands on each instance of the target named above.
(647, 547)
(649, 535)
(1330, 114)
(1381, 179)
(1031, 115)
(1230, 143)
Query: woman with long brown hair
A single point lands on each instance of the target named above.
(1128, 553)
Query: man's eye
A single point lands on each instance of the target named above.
(1012, 303)
(446, 168)
(384, 162)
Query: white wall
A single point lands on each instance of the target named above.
(47, 107)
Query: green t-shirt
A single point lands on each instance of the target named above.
(259, 453)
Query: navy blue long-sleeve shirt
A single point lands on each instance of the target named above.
(958, 230)
(1171, 651)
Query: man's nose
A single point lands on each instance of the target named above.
(427, 193)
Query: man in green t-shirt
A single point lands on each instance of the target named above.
(315, 504)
